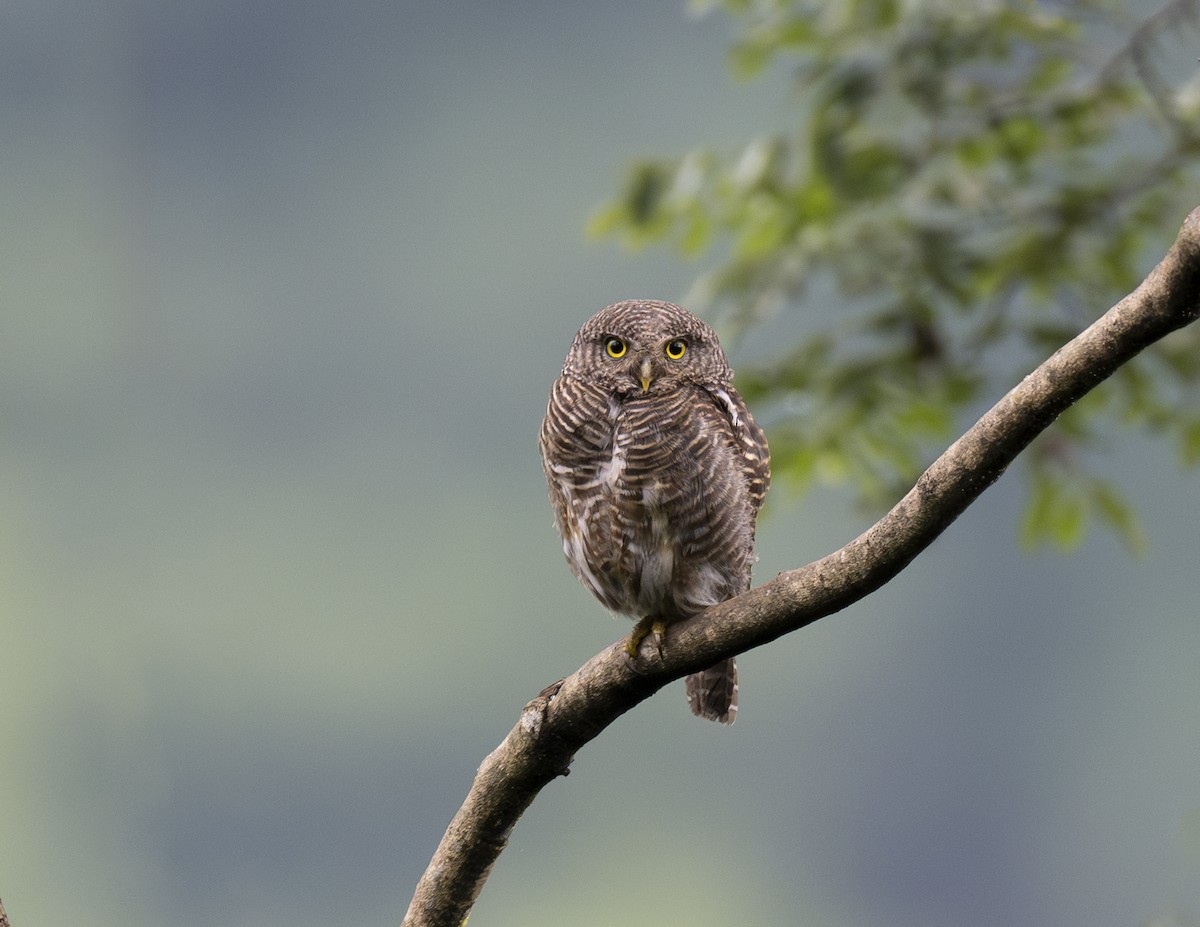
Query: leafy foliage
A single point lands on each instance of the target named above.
(977, 181)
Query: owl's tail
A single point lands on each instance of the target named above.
(713, 693)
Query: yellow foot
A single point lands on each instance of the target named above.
(651, 624)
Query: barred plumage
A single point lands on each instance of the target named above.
(656, 471)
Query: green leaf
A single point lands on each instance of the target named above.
(1189, 444)
(648, 184)
(763, 229)
(1036, 518)
(1117, 514)
(925, 419)
(696, 235)
(1068, 520)
(1056, 514)
(747, 59)
(606, 220)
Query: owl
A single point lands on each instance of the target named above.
(656, 471)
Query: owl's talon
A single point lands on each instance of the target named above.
(636, 636)
(650, 625)
(659, 630)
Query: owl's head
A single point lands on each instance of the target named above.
(647, 346)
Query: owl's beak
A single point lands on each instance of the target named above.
(646, 375)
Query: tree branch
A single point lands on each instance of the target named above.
(568, 714)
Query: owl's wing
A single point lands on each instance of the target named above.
(577, 430)
(576, 441)
(750, 440)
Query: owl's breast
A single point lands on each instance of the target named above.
(681, 532)
(651, 505)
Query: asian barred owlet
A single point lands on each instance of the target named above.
(656, 471)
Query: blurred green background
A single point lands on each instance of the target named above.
(284, 289)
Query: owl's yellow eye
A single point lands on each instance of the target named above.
(615, 347)
(676, 349)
